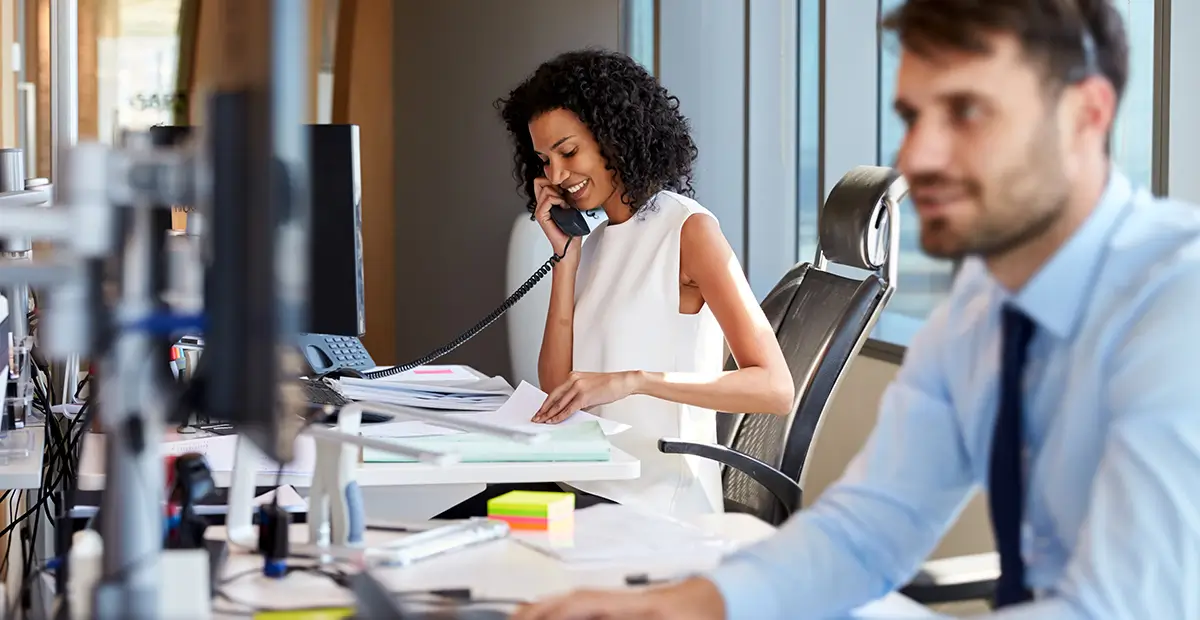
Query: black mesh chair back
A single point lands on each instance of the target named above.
(821, 320)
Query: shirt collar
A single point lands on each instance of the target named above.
(1054, 298)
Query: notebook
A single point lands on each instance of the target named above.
(577, 443)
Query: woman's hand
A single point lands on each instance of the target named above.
(586, 389)
(548, 195)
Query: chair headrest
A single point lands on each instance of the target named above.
(856, 225)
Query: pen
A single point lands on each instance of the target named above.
(643, 579)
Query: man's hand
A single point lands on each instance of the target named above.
(694, 599)
(585, 389)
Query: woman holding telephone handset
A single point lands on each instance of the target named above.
(638, 315)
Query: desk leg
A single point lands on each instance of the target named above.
(415, 503)
(14, 575)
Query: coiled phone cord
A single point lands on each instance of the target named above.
(512, 300)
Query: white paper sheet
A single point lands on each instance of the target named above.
(609, 533)
(434, 373)
(518, 410)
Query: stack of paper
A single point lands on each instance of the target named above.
(473, 395)
(515, 414)
(436, 373)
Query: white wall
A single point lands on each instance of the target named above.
(848, 422)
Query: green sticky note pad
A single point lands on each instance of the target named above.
(539, 504)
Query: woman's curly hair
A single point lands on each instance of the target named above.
(642, 135)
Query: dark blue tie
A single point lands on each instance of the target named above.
(1006, 473)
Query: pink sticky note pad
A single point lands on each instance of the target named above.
(433, 371)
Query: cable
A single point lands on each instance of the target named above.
(533, 280)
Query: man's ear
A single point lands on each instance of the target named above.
(1096, 110)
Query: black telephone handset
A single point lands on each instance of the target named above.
(570, 221)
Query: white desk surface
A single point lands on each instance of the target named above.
(25, 473)
(503, 569)
(621, 466)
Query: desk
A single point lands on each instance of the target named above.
(25, 473)
(501, 569)
(409, 491)
(22, 474)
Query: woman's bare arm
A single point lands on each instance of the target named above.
(762, 383)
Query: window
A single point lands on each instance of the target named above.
(637, 31)
(808, 104)
(137, 66)
(923, 280)
(1133, 131)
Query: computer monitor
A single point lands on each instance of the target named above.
(239, 367)
(336, 291)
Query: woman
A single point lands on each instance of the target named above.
(637, 314)
(634, 330)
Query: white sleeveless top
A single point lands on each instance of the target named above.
(627, 318)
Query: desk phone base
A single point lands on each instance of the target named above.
(326, 353)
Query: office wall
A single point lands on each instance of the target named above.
(362, 95)
(455, 194)
(849, 421)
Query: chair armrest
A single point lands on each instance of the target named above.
(949, 580)
(786, 490)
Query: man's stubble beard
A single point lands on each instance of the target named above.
(995, 235)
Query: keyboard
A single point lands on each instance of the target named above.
(322, 394)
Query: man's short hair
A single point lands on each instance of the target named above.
(1070, 39)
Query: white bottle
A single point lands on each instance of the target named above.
(84, 561)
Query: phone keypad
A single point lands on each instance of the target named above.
(344, 351)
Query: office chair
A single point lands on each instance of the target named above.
(821, 320)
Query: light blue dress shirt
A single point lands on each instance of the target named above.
(1112, 435)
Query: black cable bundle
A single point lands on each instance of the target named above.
(61, 463)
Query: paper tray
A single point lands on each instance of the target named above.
(580, 443)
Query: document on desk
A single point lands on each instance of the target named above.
(435, 373)
(473, 395)
(517, 413)
(614, 533)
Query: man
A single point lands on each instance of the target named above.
(1060, 375)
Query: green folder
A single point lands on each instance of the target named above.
(576, 443)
